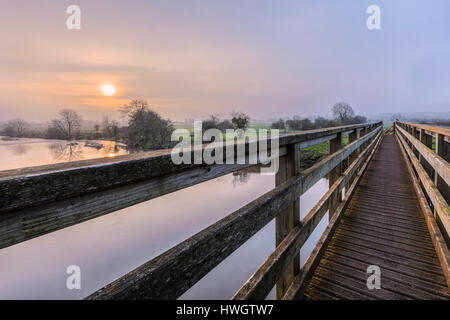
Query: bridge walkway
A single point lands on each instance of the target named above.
(383, 225)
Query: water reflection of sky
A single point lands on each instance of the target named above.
(33, 152)
(110, 246)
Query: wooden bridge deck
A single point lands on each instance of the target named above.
(383, 225)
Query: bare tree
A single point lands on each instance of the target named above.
(134, 106)
(343, 112)
(67, 126)
(16, 127)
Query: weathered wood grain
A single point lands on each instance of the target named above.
(172, 273)
(262, 281)
(29, 223)
(288, 219)
(434, 130)
(438, 240)
(23, 188)
(441, 166)
(300, 283)
(439, 203)
(175, 271)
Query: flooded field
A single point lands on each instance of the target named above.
(107, 247)
(26, 152)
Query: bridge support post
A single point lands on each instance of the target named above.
(335, 145)
(442, 150)
(287, 220)
(352, 137)
(427, 140)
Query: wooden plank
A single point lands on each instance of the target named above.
(262, 281)
(439, 242)
(296, 290)
(442, 150)
(391, 287)
(353, 136)
(439, 203)
(440, 130)
(431, 280)
(173, 272)
(313, 174)
(403, 283)
(412, 266)
(441, 166)
(28, 223)
(288, 219)
(23, 188)
(386, 235)
(334, 146)
(318, 294)
(343, 291)
(387, 245)
(313, 142)
(424, 267)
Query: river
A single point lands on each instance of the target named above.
(25, 152)
(107, 247)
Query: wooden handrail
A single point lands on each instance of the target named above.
(173, 272)
(298, 286)
(440, 167)
(61, 181)
(419, 157)
(434, 130)
(36, 201)
(28, 206)
(262, 281)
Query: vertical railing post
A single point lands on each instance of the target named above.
(285, 221)
(442, 150)
(427, 140)
(361, 133)
(352, 137)
(335, 145)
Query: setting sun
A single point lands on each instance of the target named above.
(108, 89)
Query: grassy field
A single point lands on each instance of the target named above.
(309, 155)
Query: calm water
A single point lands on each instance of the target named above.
(34, 152)
(107, 247)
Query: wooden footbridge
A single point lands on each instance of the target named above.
(388, 207)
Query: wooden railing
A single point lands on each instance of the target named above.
(36, 201)
(429, 168)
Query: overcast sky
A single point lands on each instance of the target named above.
(191, 58)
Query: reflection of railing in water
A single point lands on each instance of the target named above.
(172, 273)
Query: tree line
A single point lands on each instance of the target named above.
(146, 129)
(343, 114)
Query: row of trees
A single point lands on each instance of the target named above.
(146, 129)
(343, 114)
(239, 120)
